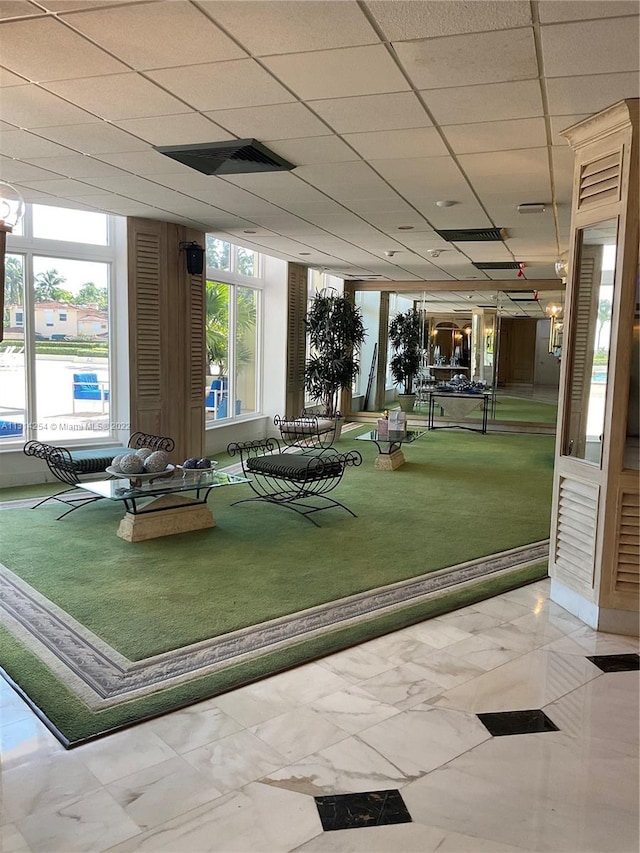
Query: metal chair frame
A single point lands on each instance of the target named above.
(306, 431)
(303, 490)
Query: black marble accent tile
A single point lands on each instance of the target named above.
(616, 663)
(517, 722)
(351, 811)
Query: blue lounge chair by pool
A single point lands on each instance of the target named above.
(87, 387)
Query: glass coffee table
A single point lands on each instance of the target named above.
(160, 507)
(390, 455)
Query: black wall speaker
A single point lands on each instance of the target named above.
(195, 258)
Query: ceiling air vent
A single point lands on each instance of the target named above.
(496, 265)
(238, 156)
(473, 235)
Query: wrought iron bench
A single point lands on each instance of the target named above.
(297, 481)
(72, 466)
(307, 430)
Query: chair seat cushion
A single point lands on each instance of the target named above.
(300, 468)
(307, 426)
(96, 460)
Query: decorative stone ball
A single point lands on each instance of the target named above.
(156, 462)
(131, 464)
(144, 453)
(191, 462)
(203, 463)
(115, 462)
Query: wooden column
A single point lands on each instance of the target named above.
(297, 286)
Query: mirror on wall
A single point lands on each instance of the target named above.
(496, 340)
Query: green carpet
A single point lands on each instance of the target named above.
(513, 409)
(459, 496)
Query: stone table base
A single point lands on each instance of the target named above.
(389, 461)
(175, 514)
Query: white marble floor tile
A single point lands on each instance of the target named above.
(305, 683)
(11, 840)
(195, 726)
(470, 620)
(299, 733)
(437, 633)
(254, 704)
(353, 710)
(235, 761)
(541, 792)
(482, 652)
(530, 681)
(257, 819)
(124, 753)
(447, 670)
(356, 664)
(600, 643)
(524, 634)
(502, 609)
(403, 686)
(13, 710)
(27, 741)
(162, 792)
(346, 767)
(34, 787)
(87, 824)
(399, 647)
(423, 738)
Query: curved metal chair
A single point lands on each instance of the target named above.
(297, 481)
(307, 431)
(72, 466)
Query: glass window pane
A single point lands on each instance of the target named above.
(217, 343)
(12, 359)
(72, 226)
(247, 261)
(591, 308)
(71, 331)
(218, 253)
(246, 350)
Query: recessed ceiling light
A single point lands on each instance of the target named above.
(445, 203)
(246, 231)
(405, 227)
(305, 253)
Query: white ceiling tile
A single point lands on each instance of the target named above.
(16, 170)
(407, 19)
(590, 93)
(552, 11)
(496, 135)
(146, 163)
(60, 53)
(96, 138)
(179, 34)
(65, 187)
(338, 73)
(485, 251)
(470, 59)
(285, 27)
(384, 144)
(118, 96)
(280, 121)
(31, 107)
(560, 123)
(373, 112)
(489, 102)
(76, 165)
(524, 167)
(18, 9)
(336, 179)
(426, 180)
(136, 188)
(278, 187)
(591, 47)
(75, 5)
(9, 79)
(21, 143)
(563, 162)
(223, 85)
(184, 129)
(32, 194)
(312, 149)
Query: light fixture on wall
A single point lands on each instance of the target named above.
(11, 212)
(194, 254)
(562, 270)
(554, 312)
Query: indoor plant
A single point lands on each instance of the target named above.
(335, 333)
(405, 340)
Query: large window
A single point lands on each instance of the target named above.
(232, 328)
(55, 362)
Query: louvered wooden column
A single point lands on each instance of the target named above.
(166, 336)
(297, 286)
(595, 534)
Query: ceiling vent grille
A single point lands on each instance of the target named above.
(238, 156)
(496, 265)
(473, 235)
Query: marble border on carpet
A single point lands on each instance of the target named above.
(102, 677)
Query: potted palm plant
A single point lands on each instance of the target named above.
(335, 332)
(405, 340)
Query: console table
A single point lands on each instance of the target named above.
(390, 455)
(457, 405)
(160, 507)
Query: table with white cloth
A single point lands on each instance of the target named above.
(458, 405)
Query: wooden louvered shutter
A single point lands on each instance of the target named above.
(296, 337)
(600, 181)
(627, 571)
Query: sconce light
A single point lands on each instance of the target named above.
(195, 257)
(11, 212)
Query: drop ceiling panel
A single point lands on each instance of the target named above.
(496, 57)
(283, 27)
(391, 144)
(31, 107)
(15, 170)
(496, 135)
(279, 121)
(9, 79)
(590, 93)
(560, 123)
(221, 85)
(591, 47)
(146, 163)
(551, 11)
(346, 180)
(183, 129)
(61, 54)
(485, 251)
(97, 138)
(76, 165)
(373, 112)
(492, 102)
(313, 149)
(18, 9)
(524, 171)
(336, 73)
(64, 187)
(118, 96)
(278, 187)
(406, 19)
(180, 33)
(20, 143)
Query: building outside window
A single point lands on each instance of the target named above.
(232, 326)
(56, 324)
